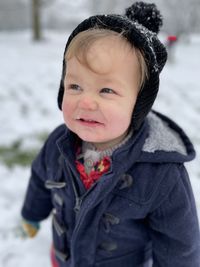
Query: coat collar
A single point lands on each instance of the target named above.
(159, 139)
(128, 153)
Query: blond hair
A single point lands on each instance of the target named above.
(80, 44)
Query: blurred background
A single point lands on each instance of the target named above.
(180, 18)
(33, 34)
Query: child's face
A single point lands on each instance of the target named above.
(99, 99)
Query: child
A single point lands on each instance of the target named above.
(113, 176)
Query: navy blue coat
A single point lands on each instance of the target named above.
(142, 208)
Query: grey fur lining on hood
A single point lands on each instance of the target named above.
(162, 137)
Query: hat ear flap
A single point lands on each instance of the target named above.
(161, 55)
(62, 87)
(144, 102)
(60, 94)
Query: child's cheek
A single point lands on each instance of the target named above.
(67, 109)
(66, 105)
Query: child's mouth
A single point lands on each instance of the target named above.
(89, 122)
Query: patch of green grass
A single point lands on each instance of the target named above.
(14, 154)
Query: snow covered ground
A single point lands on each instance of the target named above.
(29, 79)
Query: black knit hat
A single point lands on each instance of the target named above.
(140, 26)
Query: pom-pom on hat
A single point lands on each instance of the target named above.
(140, 26)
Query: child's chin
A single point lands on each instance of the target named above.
(91, 139)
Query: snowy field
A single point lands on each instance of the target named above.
(29, 79)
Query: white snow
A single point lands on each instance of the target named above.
(29, 79)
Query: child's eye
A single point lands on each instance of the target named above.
(107, 91)
(75, 87)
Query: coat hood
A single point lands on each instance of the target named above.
(166, 141)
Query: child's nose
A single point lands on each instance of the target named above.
(88, 102)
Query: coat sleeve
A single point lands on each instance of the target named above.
(37, 203)
(174, 227)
